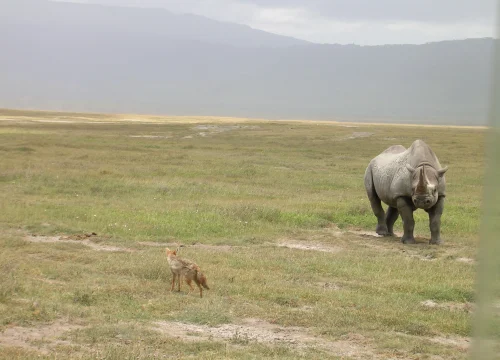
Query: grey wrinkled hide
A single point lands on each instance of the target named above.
(406, 180)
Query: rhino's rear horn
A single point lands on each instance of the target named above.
(421, 186)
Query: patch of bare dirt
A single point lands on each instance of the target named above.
(79, 236)
(305, 308)
(214, 247)
(157, 244)
(255, 330)
(365, 233)
(389, 245)
(201, 246)
(452, 306)
(76, 239)
(360, 134)
(309, 246)
(50, 281)
(329, 285)
(216, 129)
(333, 240)
(371, 233)
(462, 343)
(423, 257)
(41, 338)
(466, 260)
(150, 136)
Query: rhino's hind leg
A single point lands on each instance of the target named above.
(406, 211)
(391, 216)
(375, 203)
(380, 214)
(435, 221)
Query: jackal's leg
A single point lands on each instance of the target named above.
(201, 289)
(197, 282)
(188, 281)
(173, 282)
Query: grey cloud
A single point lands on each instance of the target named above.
(366, 22)
(426, 11)
(392, 10)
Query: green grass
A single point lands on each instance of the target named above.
(249, 187)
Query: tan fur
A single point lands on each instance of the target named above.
(186, 268)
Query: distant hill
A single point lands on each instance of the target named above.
(137, 21)
(96, 58)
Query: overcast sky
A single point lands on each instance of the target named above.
(364, 22)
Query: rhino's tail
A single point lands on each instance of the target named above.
(369, 186)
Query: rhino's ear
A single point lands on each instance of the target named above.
(442, 171)
(410, 169)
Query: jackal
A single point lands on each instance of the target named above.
(183, 267)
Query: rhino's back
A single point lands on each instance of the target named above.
(390, 177)
(390, 159)
(394, 149)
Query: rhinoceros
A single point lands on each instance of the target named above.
(406, 180)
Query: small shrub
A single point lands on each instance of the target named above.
(84, 298)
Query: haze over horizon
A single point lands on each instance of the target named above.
(93, 58)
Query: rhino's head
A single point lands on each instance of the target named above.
(424, 184)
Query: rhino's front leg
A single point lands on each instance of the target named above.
(405, 209)
(435, 213)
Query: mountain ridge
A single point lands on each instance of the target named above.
(70, 65)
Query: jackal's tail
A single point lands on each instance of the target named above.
(201, 279)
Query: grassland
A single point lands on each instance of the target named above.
(274, 213)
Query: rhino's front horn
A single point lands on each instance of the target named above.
(410, 168)
(442, 171)
(421, 186)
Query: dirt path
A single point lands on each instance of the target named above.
(255, 330)
(329, 241)
(291, 244)
(201, 246)
(76, 240)
(40, 338)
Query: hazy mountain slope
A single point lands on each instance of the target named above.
(66, 66)
(126, 20)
